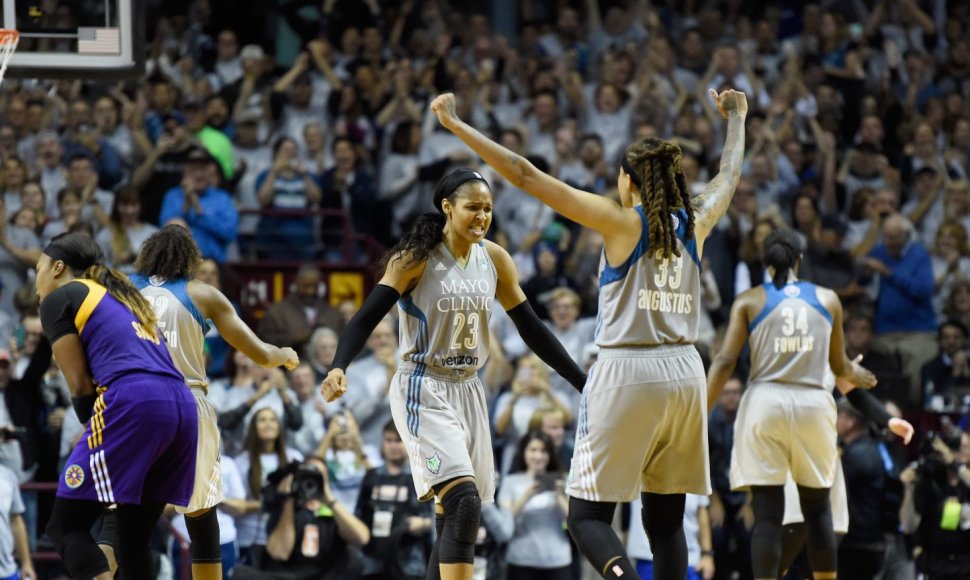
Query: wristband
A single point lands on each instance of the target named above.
(84, 406)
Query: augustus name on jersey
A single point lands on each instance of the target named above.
(444, 320)
(666, 293)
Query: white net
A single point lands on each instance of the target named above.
(8, 44)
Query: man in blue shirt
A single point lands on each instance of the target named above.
(208, 211)
(905, 321)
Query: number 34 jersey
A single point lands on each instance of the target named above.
(444, 320)
(790, 337)
(648, 301)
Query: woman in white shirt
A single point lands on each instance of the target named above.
(534, 497)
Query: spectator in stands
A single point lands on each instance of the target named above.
(312, 408)
(346, 455)
(827, 263)
(96, 202)
(893, 384)
(13, 533)
(165, 165)
(209, 212)
(904, 319)
(369, 380)
(730, 512)
(552, 422)
(254, 389)
(111, 118)
(533, 496)
(320, 521)
(321, 350)
(750, 272)
(212, 140)
(572, 331)
(400, 540)
(291, 321)
(122, 238)
(265, 452)
(49, 158)
(549, 275)
(950, 369)
(69, 212)
(15, 176)
(286, 185)
(951, 262)
(862, 550)
(80, 137)
(349, 187)
(33, 197)
(530, 390)
(19, 250)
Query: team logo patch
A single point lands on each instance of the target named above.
(440, 267)
(156, 280)
(73, 476)
(792, 290)
(483, 264)
(434, 463)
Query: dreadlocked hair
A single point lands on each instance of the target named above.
(85, 259)
(783, 250)
(663, 191)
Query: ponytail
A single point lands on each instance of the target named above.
(118, 285)
(783, 250)
(418, 243)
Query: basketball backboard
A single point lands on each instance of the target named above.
(89, 39)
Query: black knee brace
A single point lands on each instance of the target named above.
(69, 530)
(204, 534)
(463, 513)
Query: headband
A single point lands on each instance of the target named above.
(58, 253)
(628, 169)
(453, 181)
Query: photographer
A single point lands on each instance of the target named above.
(311, 535)
(936, 505)
(400, 525)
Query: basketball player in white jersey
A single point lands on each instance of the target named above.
(445, 278)
(642, 423)
(184, 307)
(786, 421)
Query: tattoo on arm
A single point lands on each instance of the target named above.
(711, 205)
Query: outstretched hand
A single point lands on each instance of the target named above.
(902, 429)
(729, 101)
(444, 107)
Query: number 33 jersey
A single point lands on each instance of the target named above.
(648, 301)
(444, 320)
(790, 337)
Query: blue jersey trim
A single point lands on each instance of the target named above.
(179, 287)
(611, 274)
(421, 343)
(774, 297)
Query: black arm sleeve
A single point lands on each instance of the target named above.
(59, 308)
(352, 339)
(870, 406)
(540, 339)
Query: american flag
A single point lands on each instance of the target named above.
(98, 41)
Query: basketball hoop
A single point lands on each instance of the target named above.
(8, 44)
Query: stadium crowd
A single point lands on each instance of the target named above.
(249, 120)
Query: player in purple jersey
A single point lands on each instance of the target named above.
(138, 450)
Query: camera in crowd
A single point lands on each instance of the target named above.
(931, 464)
(307, 484)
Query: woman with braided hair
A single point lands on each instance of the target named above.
(786, 421)
(138, 449)
(642, 423)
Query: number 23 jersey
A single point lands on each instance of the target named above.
(647, 301)
(444, 320)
